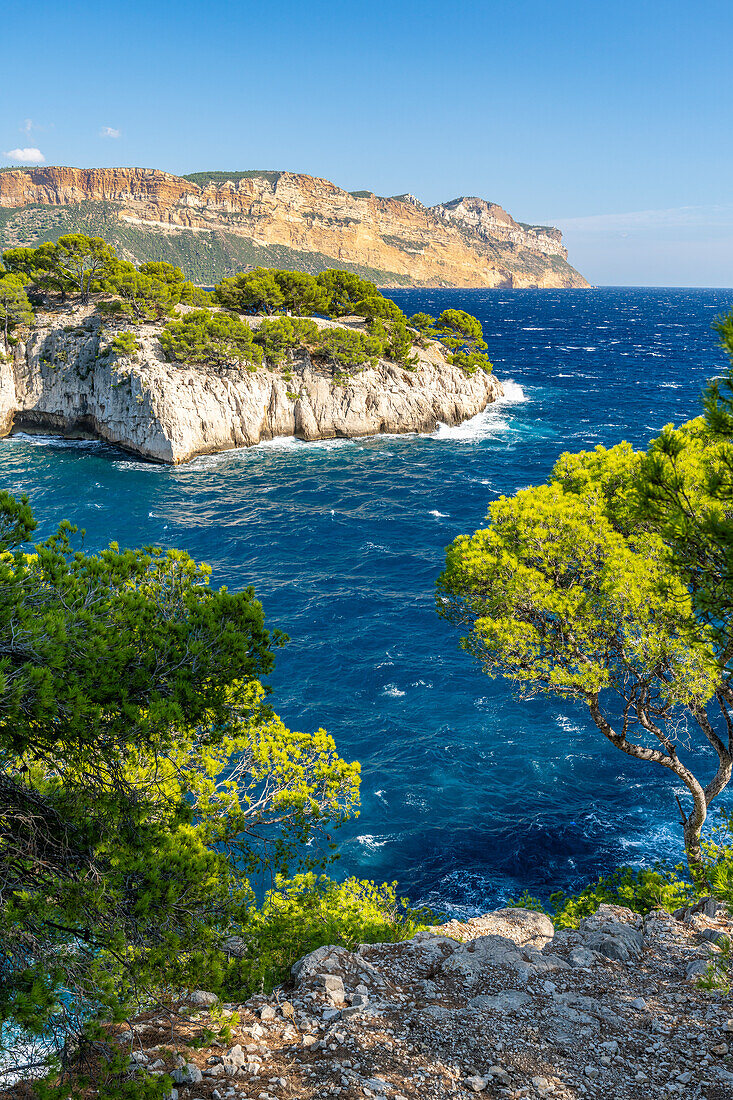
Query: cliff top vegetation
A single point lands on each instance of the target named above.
(82, 268)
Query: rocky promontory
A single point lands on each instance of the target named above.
(216, 223)
(67, 379)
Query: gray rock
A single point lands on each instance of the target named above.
(189, 1074)
(508, 1002)
(336, 961)
(714, 935)
(615, 941)
(583, 956)
(202, 999)
(468, 963)
(236, 1056)
(696, 969)
(477, 1084)
(542, 962)
(332, 983)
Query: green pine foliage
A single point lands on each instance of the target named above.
(73, 265)
(15, 308)
(282, 336)
(458, 331)
(144, 779)
(610, 585)
(126, 344)
(349, 348)
(303, 913)
(206, 337)
(251, 292)
(148, 294)
(84, 267)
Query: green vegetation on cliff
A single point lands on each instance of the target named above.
(203, 179)
(15, 309)
(205, 255)
(86, 267)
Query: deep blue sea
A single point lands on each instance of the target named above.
(469, 795)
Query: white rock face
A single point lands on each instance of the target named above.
(67, 380)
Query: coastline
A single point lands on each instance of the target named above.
(66, 380)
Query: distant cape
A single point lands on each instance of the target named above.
(216, 223)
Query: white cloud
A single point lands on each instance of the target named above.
(27, 126)
(25, 156)
(109, 132)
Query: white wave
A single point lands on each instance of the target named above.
(371, 842)
(413, 799)
(54, 441)
(439, 515)
(393, 691)
(281, 443)
(566, 724)
(485, 424)
(513, 393)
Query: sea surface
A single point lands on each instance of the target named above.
(469, 795)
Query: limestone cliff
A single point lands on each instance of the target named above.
(66, 379)
(213, 225)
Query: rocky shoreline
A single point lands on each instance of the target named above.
(65, 379)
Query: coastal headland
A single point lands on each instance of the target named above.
(212, 224)
(66, 379)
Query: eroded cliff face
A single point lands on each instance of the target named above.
(468, 242)
(66, 379)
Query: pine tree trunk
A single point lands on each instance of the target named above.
(695, 861)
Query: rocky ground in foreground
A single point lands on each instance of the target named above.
(501, 1006)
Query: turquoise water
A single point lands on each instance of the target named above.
(469, 795)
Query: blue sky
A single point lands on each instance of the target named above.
(611, 120)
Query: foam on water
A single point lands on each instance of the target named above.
(487, 423)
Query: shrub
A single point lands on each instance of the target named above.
(302, 294)
(251, 292)
(15, 309)
(458, 331)
(205, 337)
(396, 341)
(75, 264)
(639, 889)
(376, 305)
(644, 889)
(349, 347)
(125, 343)
(306, 912)
(350, 294)
(149, 294)
(281, 335)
